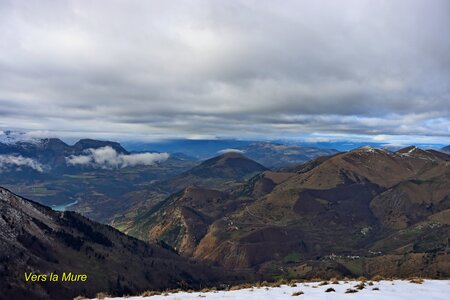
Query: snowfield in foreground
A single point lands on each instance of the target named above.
(396, 289)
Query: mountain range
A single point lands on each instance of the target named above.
(276, 156)
(52, 152)
(349, 213)
(206, 148)
(269, 154)
(258, 211)
(103, 180)
(101, 174)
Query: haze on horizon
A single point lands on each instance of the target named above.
(149, 70)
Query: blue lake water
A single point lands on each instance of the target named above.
(63, 207)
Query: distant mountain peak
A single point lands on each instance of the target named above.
(408, 152)
(234, 160)
(413, 151)
(85, 144)
(10, 137)
(233, 154)
(52, 142)
(369, 148)
(222, 170)
(446, 149)
(408, 149)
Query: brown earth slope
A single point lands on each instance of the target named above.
(182, 220)
(350, 213)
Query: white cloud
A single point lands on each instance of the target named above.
(143, 159)
(225, 68)
(108, 158)
(230, 150)
(8, 162)
(79, 159)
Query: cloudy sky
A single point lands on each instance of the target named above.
(124, 70)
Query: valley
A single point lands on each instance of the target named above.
(103, 190)
(366, 212)
(224, 149)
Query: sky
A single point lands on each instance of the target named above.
(150, 70)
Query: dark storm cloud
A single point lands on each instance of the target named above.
(226, 68)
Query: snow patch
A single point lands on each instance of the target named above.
(370, 149)
(12, 137)
(412, 149)
(389, 290)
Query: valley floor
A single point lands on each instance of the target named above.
(396, 289)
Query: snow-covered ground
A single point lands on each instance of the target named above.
(397, 289)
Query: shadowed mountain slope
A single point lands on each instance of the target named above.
(37, 239)
(446, 149)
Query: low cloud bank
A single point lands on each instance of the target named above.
(108, 158)
(8, 162)
(223, 151)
